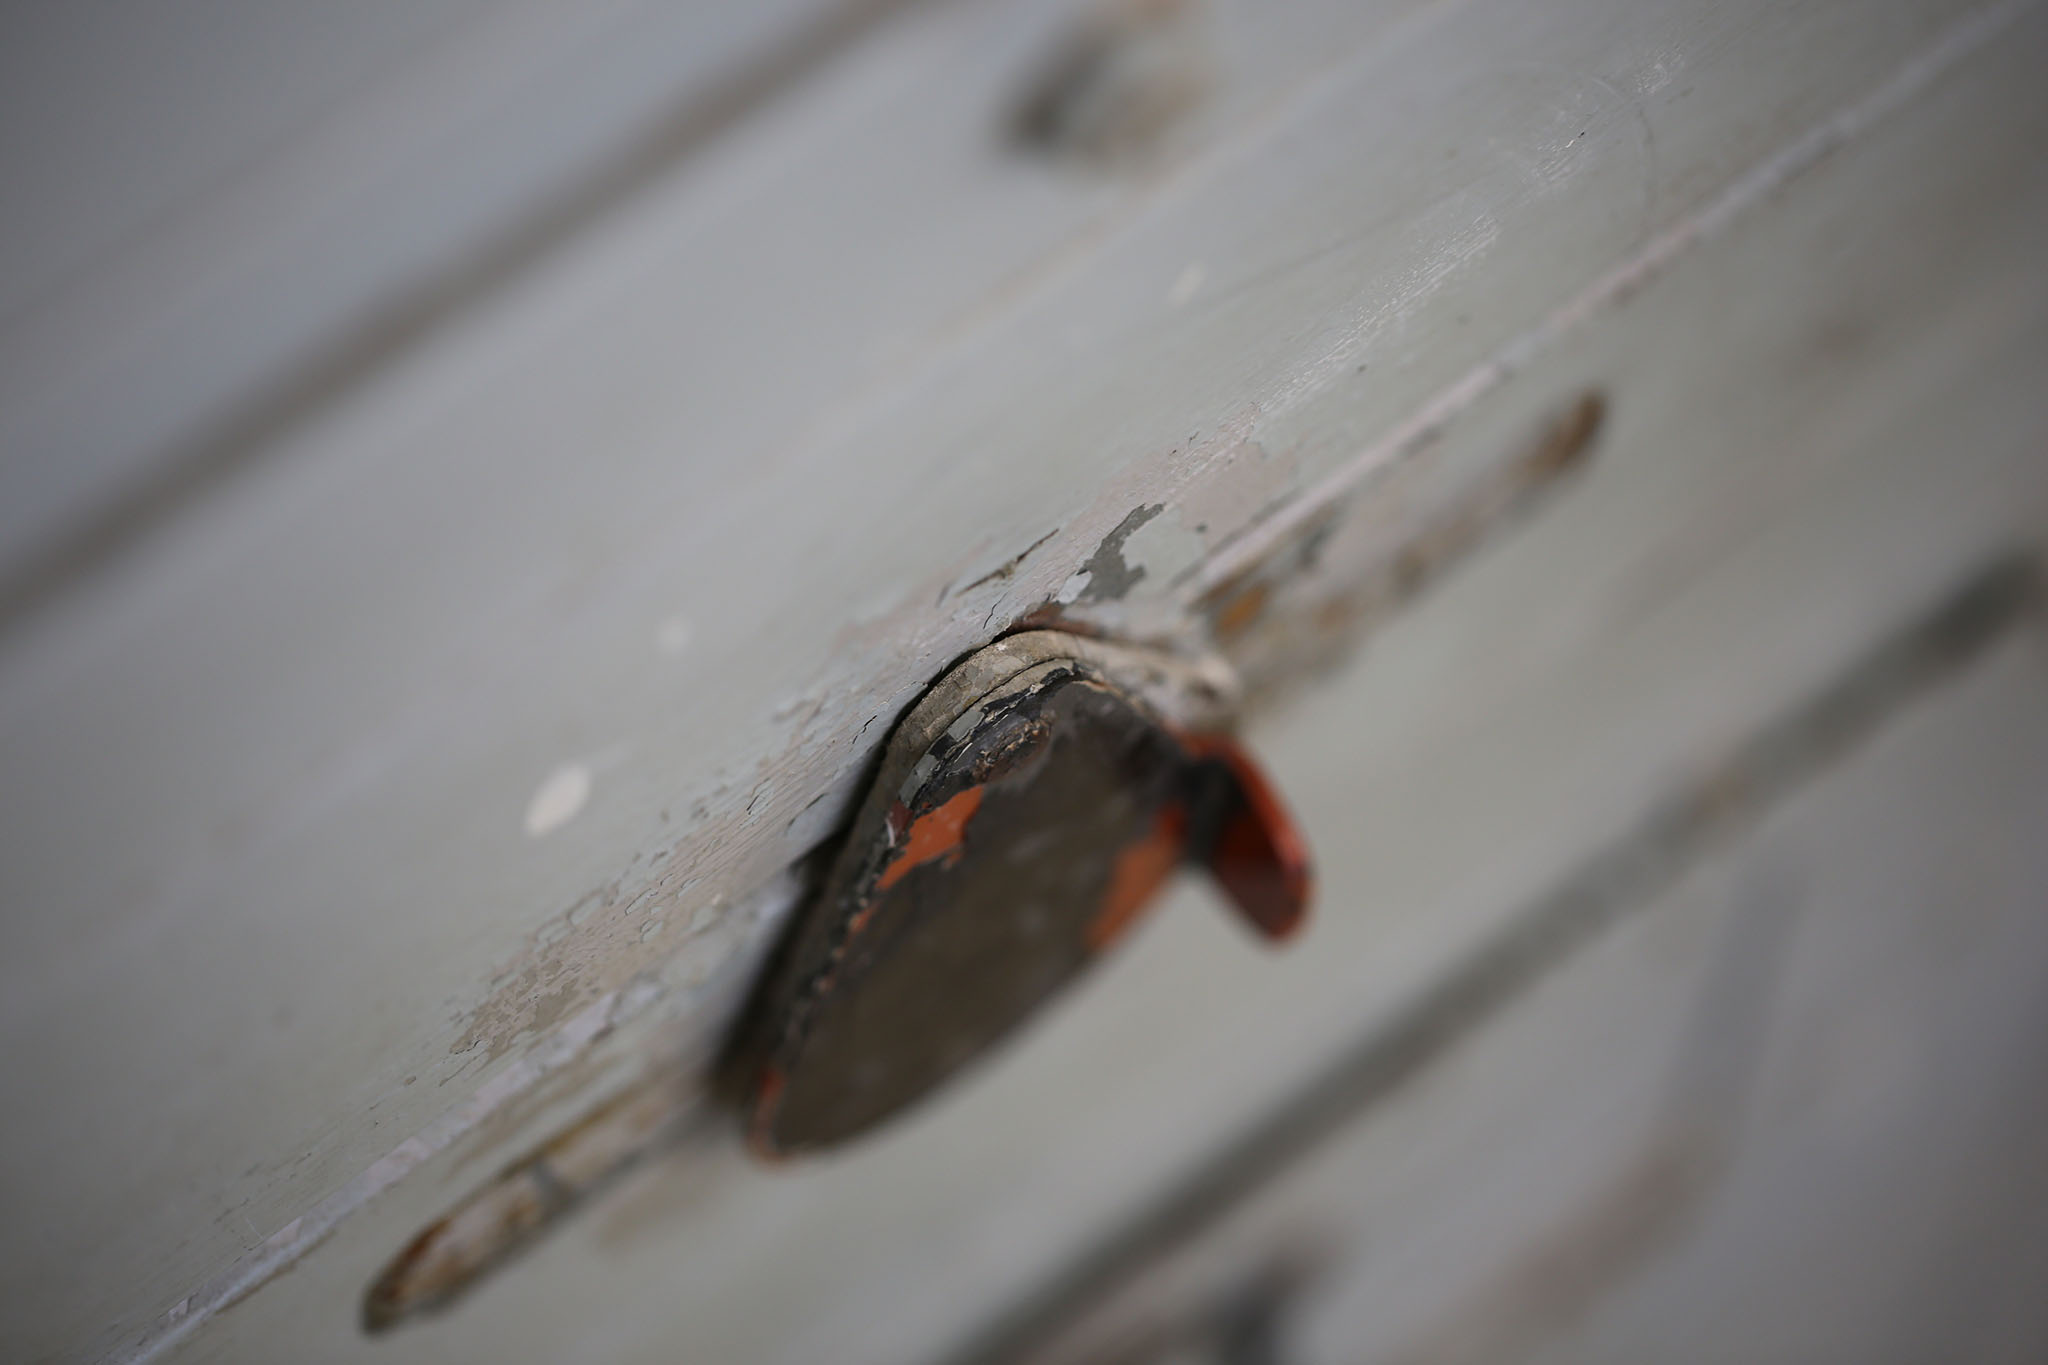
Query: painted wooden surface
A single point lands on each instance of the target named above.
(306, 191)
(1785, 1110)
(431, 767)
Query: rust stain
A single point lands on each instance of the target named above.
(1139, 872)
(1369, 555)
(1569, 440)
(1241, 609)
(448, 1255)
(938, 833)
(501, 1218)
(768, 1099)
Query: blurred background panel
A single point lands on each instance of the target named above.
(479, 482)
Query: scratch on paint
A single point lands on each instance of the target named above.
(1009, 566)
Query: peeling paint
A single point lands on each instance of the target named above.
(1319, 591)
(932, 836)
(1105, 576)
(1649, 1197)
(891, 982)
(582, 961)
(590, 949)
(1008, 568)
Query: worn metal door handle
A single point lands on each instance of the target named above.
(1024, 814)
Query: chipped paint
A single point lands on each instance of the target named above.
(598, 946)
(725, 859)
(1317, 593)
(1104, 576)
(1703, 811)
(1082, 800)
(1005, 570)
(937, 834)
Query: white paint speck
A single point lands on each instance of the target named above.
(1187, 283)
(558, 800)
(672, 637)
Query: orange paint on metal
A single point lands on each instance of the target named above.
(1139, 872)
(767, 1098)
(935, 834)
(1260, 858)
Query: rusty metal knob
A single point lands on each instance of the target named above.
(1024, 814)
